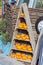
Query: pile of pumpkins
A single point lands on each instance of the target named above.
(23, 36)
(22, 25)
(23, 46)
(20, 55)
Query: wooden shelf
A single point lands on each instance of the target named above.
(29, 61)
(14, 47)
(22, 17)
(21, 29)
(27, 31)
(22, 39)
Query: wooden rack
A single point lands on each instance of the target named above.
(24, 18)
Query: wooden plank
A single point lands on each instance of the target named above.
(37, 50)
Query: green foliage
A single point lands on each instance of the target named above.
(0, 33)
(0, 20)
(5, 38)
(3, 29)
(0, 3)
(0, 0)
(5, 35)
(39, 4)
(2, 25)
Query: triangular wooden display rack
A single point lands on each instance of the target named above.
(28, 31)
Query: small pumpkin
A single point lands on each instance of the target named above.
(20, 25)
(29, 48)
(23, 47)
(18, 45)
(18, 36)
(23, 36)
(24, 57)
(29, 57)
(22, 14)
(24, 26)
(18, 55)
(27, 37)
(12, 55)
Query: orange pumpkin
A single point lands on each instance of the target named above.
(23, 36)
(18, 55)
(18, 45)
(29, 48)
(20, 25)
(18, 36)
(24, 57)
(24, 26)
(22, 14)
(23, 47)
(27, 37)
(29, 57)
(12, 55)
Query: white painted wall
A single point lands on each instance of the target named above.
(17, 2)
(30, 5)
(31, 2)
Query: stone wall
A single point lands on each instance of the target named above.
(11, 16)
